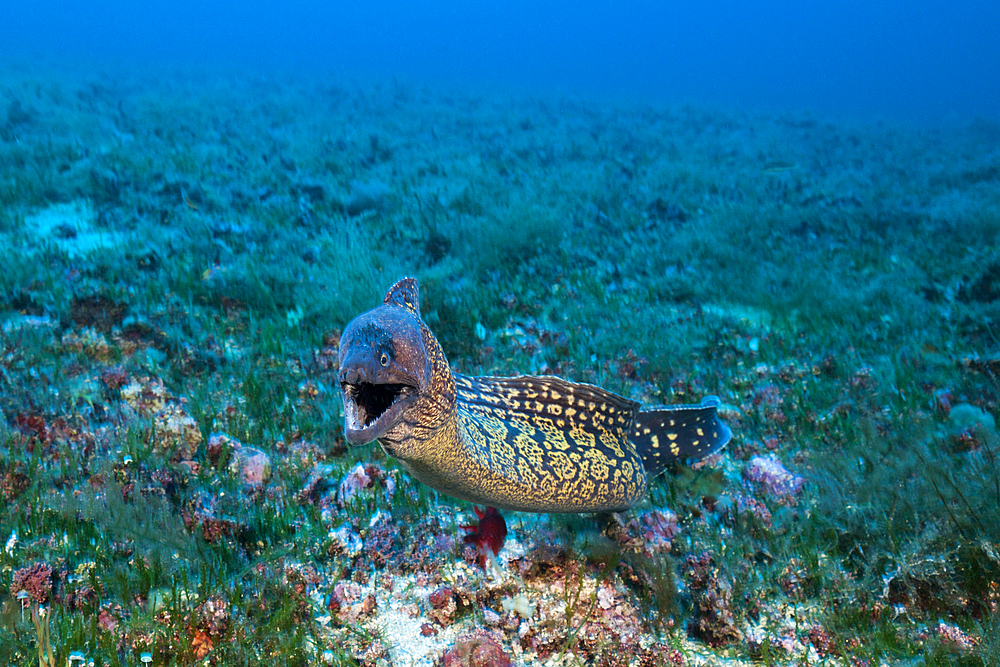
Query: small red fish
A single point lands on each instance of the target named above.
(489, 535)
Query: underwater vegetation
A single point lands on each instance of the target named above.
(182, 252)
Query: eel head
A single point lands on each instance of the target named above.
(383, 366)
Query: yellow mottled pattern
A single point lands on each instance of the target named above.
(551, 445)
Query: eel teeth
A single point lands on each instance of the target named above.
(371, 401)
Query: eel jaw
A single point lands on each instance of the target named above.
(371, 409)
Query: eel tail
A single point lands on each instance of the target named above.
(665, 434)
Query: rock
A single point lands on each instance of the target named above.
(476, 648)
(253, 465)
(97, 311)
(178, 433)
(345, 541)
(443, 606)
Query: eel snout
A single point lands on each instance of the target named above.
(372, 408)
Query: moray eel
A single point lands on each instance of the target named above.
(526, 443)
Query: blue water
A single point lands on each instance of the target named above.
(914, 60)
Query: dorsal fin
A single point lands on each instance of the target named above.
(405, 294)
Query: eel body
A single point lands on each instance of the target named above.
(527, 443)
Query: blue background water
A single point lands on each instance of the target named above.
(912, 59)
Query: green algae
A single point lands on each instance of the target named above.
(830, 281)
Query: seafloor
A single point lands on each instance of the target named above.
(180, 251)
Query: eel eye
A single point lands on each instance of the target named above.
(384, 359)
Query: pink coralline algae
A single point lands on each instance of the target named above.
(207, 626)
(353, 482)
(753, 507)
(346, 541)
(219, 443)
(109, 618)
(769, 475)
(956, 637)
(714, 621)
(606, 596)
(349, 602)
(253, 465)
(211, 617)
(658, 528)
(756, 640)
(476, 648)
(443, 605)
(365, 476)
(35, 580)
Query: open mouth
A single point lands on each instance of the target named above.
(372, 409)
